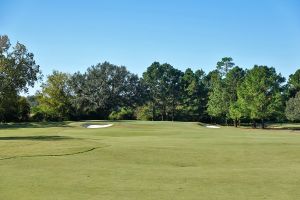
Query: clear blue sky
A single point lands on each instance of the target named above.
(71, 35)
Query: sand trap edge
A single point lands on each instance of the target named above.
(99, 126)
(211, 126)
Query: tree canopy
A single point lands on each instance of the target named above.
(228, 94)
(292, 110)
(104, 88)
(294, 84)
(18, 72)
(260, 93)
(54, 99)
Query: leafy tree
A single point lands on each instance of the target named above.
(55, 97)
(151, 79)
(233, 80)
(294, 84)
(105, 88)
(292, 110)
(260, 94)
(18, 71)
(23, 109)
(235, 112)
(144, 112)
(217, 103)
(14, 108)
(173, 82)
(32, 100)
(8, 107)
(211, 78)
(163, 85)
(223, 90)
(194, 95)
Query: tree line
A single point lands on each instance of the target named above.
(228, 95)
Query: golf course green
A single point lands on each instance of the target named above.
(147, 160)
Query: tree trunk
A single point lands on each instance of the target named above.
(235, 123)
(153, 112)
(173, 111)
(254, 124)
(163, 113)
(173, 115)
(262, 124)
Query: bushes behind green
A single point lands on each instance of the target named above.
(122, 114)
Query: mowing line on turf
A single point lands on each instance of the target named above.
(55, 155)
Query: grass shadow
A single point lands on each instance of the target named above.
(36, 138)
(33, 125)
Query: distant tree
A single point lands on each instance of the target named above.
(217, 103)
(32, 100)
(18, 68)
(23, 109)
(151, 79)
(294, 84)
(202, 97)
(260, 94)
(223, 88)
(292, 110)
(54, 99)
(173, 83)
(9, 107)
(4, 45)
(122, 114)
(145, 112)
(233, 80)
(105, 88)
(163, 83)
(235, 112)
(194, 95)
(225, 65)
(18, 71)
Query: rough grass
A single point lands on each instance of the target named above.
(147, 160)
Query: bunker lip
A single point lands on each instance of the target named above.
(98, 126)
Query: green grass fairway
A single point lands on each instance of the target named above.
(147, 160)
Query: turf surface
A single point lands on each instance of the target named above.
(147, 160)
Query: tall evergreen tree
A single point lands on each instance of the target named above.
(194, 96)
(225, 65)
(223, 89)
(233, 80)
(163, 83)
(217, 102)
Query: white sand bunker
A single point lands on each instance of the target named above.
(99, 126)
(211, 126)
